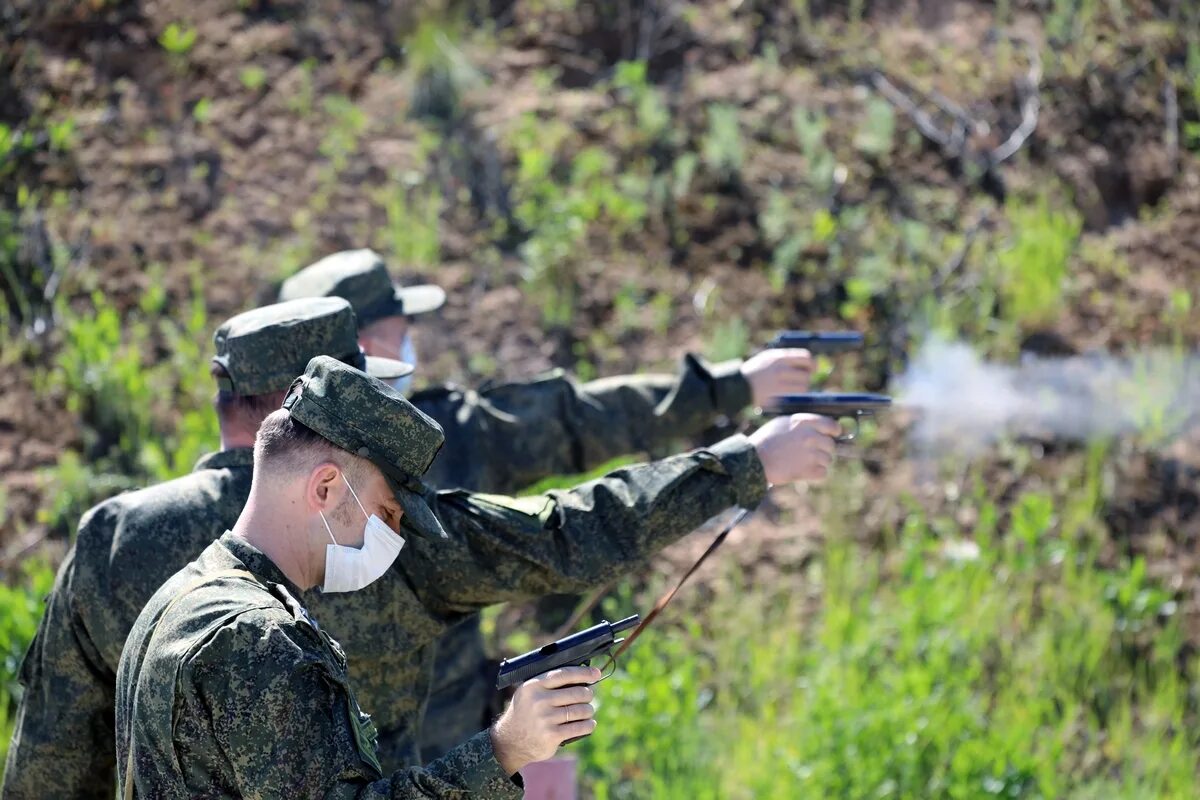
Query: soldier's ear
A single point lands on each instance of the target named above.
(324, 488)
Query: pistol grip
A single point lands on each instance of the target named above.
(585, 663)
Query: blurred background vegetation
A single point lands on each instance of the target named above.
(602, 185)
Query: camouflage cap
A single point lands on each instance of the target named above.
(265, 349)
(361, 277)
(368, 418)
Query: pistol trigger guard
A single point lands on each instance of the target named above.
(846, 438)
(610, 665)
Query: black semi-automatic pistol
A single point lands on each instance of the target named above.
(837, 405)
(576, 650)
(819, 343)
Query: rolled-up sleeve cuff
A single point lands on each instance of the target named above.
(739, 458)
(731, 390)
(473, 766)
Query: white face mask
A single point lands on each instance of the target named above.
(348, 569)
(408, 354)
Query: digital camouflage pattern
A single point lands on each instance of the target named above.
(129, 545)
(228, 688)
(506, 437)
(263, 350)
(124, 549)
(361, 277)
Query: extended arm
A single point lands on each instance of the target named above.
(508, 437)
(503, 548)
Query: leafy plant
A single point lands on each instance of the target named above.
(559, 212)
(875, 135)
(1034, 265)
(347, 123)
(721, 146)
(253, 77)
(177, 39)
(303, 101)
(202, 111)
(413, 219)
(810, 127)
(20, 611)
(650, 111)
(143, 421)
(999, 674)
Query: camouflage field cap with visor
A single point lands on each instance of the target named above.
(361, 277)
(368, 418)
(263, 350)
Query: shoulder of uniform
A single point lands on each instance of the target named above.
(190, 489)
(297, 611)
(259, 636)
(199, 500)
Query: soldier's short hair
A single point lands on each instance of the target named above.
(286, 444)
(248, 407)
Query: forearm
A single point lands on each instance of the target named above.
(467, 771)
(513, 435)
(503, 549)
(649, 412)
(471, 767)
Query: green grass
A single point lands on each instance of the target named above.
(144, 418)
(1034, 265)
(20, 609)
(901, 668)
(1020, 673)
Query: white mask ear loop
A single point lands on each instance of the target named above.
(355, 495)
(327, 526)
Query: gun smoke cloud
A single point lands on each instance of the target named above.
(964, 404)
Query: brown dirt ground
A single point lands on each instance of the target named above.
(149, 184)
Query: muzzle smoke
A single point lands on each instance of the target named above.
(964, 404)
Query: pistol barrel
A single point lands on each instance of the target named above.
(829, 404)
(819, 342)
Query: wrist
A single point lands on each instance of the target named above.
(509, 761)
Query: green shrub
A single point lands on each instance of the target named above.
(177, 39)
(21, 605)
(1034, 265)
(938, 669)
(146, 417)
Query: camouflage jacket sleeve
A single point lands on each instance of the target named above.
(503, 548)
(269, 706)
(507, 437)
(63, 736)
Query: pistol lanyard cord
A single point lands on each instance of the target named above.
(666, 598)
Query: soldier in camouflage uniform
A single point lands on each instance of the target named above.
(240, 694)
(127, 546)
(227, 687)
(509, 436)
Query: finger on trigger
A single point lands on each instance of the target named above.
(565, 676)
(830, 426)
